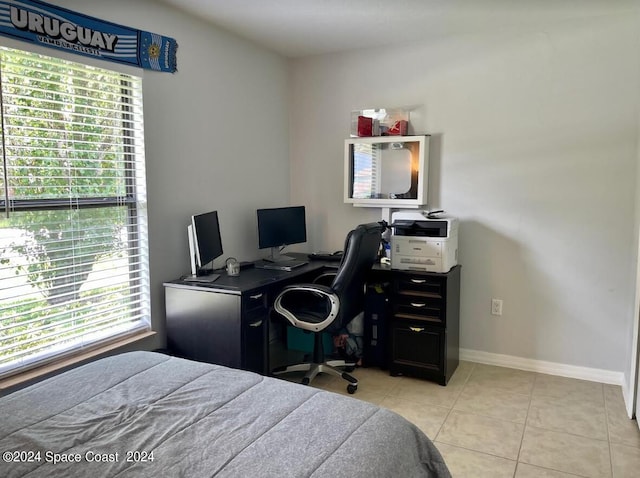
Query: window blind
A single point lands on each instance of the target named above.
(73, 232)
(366, 164)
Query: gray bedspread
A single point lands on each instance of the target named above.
(144, 414)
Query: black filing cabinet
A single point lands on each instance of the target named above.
(424, 324)
(227, 322)
(218, 326)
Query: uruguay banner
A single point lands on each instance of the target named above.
(55, 27)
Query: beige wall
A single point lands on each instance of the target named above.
(534, 148)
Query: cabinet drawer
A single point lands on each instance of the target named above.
(419, 308)
(420, 286)
(255, 318)
(417, 346)
(255, 300)
(254, 343)
(255, 312)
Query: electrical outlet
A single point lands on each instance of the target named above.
(496, 307)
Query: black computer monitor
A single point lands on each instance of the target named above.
(279, 227)
(207, 244)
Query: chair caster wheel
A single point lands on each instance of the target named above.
(305, 381)
(349, 369)
(352, 388)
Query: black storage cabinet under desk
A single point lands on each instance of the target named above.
(425, 324)
(218, 326)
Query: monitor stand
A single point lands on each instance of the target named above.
(277, 257)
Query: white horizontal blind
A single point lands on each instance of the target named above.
(73, 232)
(366, 180)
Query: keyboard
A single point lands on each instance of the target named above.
(280, 266)
(322, 256)
(204, 279)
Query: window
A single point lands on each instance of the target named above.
(73, 233)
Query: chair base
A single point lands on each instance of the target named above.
(313, 369)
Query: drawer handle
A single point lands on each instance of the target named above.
(256, 324)
(416, 329)
(257, 296)
(418, 304)
(418, 281)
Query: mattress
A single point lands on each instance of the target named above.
(144, 414)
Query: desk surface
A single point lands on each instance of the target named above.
(252, 278)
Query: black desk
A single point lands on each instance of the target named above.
(227, 321)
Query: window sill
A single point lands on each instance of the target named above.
(41, 372)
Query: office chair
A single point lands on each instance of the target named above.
(322, 308)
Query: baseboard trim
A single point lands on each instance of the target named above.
(551, 368)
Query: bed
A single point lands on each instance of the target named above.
(146, 414)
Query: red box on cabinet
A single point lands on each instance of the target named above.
(398, 128)
(365, 126)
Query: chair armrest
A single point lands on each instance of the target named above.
(308, 306)
(307, 287)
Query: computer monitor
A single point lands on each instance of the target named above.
(279, 227)
(205, 243)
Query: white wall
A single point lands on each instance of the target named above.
(533, 148)
(213, 130)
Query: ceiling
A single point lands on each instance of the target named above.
(297, 28)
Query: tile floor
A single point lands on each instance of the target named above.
(500, 422)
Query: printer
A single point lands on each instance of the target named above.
(423, 242)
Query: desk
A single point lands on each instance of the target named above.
(227, 321)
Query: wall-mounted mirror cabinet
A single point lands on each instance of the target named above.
(386, 171)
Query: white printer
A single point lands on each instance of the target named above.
(423, 241)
